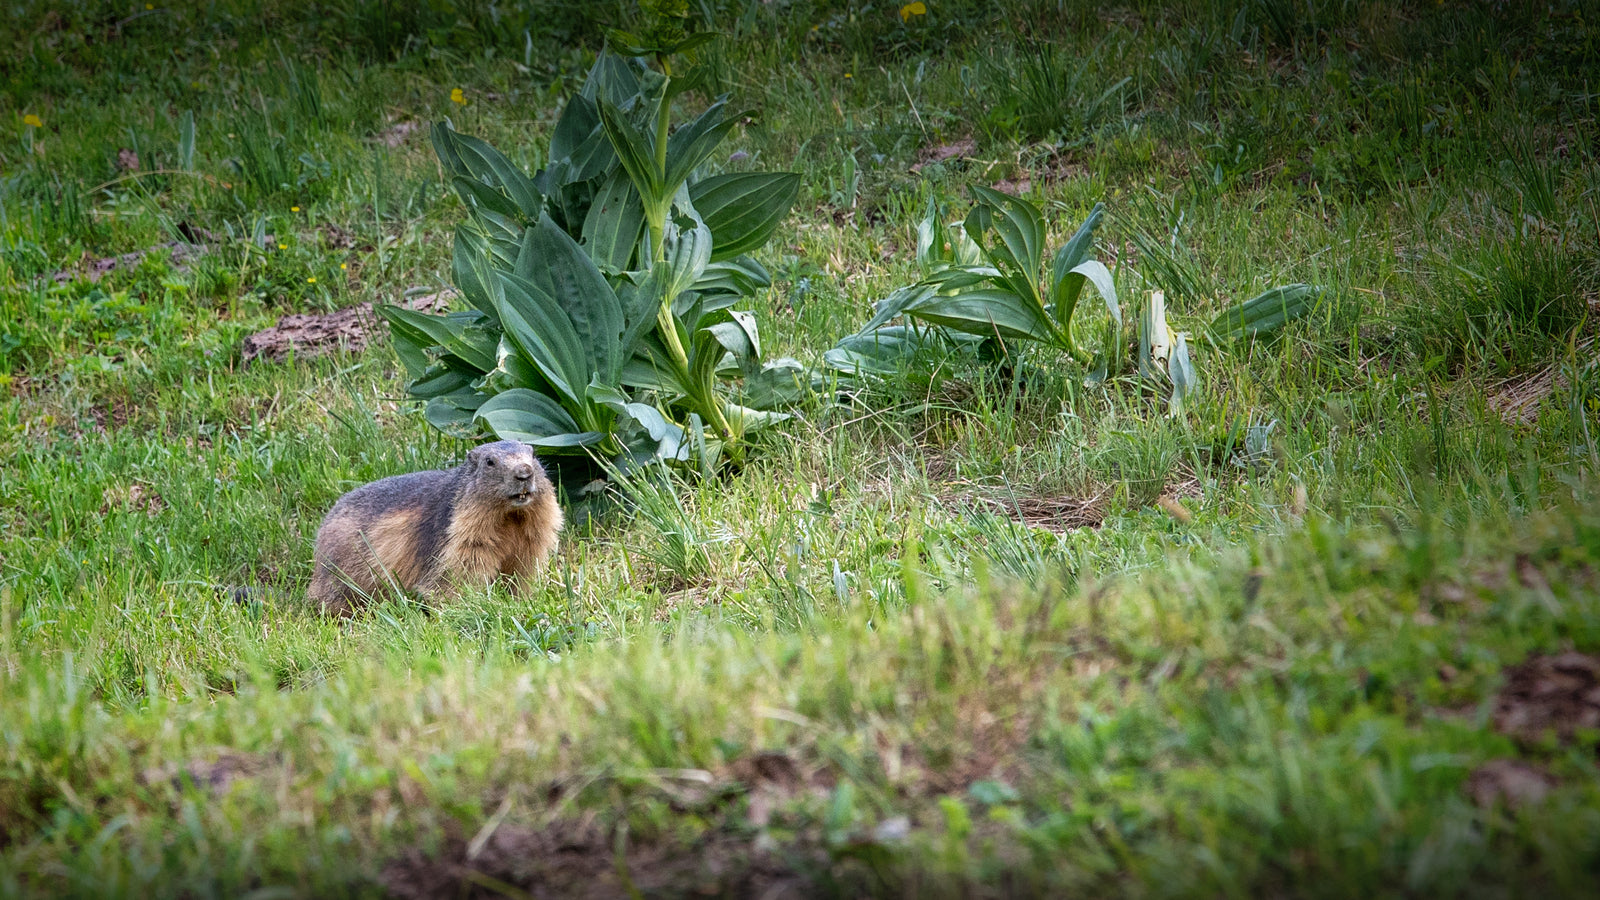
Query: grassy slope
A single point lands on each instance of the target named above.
(1122, 734)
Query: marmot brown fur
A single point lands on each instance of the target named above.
(495, 514)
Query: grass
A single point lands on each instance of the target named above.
(974, 634)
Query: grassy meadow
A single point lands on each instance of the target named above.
(1332, 629)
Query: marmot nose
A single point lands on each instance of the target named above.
(523, 472)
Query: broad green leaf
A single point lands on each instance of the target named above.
(569, 203)
(688, 249)
(513, 371)
(740, 276)
(1068, 290)
(615, 220)
(445, 148)
(470, 269)
(933, 253)
(693, 143)
(1020, 227)
(957, 278)
(1080, 247)
(579, 120)
(640, 305)
(991, 312)
(437, 380)
(454, 414)
(412, 348)
(894, 305)
(636, 150)
(452, 420)
(738, 333)
(1266, 312)
(503, 234)
(743, 210)
(618, 79)
(479, 196)
(552, 262)
(463, 334)
(888, 351)
(531, 417)
(964, 251)
(488, 166)
(781, 382)
(744, 420)
(651, 369)
(1181, 370)
(666, 435)
(543, 333)
(186, 141)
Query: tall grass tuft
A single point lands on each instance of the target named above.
(1509, 307)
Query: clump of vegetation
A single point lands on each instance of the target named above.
(986, 279)
(603, 286)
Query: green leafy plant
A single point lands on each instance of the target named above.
(602, 288)
(1266, 312)
(987, 276)
(985, 280)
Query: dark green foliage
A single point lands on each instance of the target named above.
(1511, 305)
(564, 334)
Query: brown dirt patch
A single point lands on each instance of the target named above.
(1546, 695)
(1509, 781)
(395, 135)
(1058, 514)
(336, 237)
(134, 497)
(183, 253)
(943, 152)
(1517, 400)
(307, 334)
(577, 858)
(112, 415)
(214, 776)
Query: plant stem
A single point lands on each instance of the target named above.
(663, 113)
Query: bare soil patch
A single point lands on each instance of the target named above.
(1510, 781)
(308, 334)
(134, 497)
(213, 775)
(1546, 695)
(1517, 400)
(943, 152)
(578, 858)
(183, 253)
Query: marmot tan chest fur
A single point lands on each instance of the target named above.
(495, 514)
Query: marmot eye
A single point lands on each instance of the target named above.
(489, 463)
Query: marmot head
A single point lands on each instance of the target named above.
(507, 469)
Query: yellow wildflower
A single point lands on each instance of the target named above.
(912, 9)
(31, 119)
(283, 246)
(294, 209)
(311, 280)
(458, 96)
(848, 75)
(343, 266)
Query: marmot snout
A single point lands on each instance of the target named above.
(495, 514)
